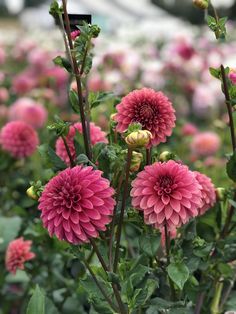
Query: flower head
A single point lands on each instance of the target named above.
(75, 34)
(207, 190)
(151, 109)
(77, 204)
(97, 135)
(205, 144)
(19, 139)
(138, 138)
(168, 193)
(27, 110)
(189, 129)
(18, 252)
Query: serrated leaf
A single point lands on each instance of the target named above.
(37, 302)
(150, 243)
(178, 273)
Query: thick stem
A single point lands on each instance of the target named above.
(106, 297)
(72, 163)
(113, 221)
(233, 141)
(78, 82)
(216, 299)
(122, 211)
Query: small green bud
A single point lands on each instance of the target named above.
(221, 194)
(201, 4)
(31, 193)
(95, 30)
(166, 155)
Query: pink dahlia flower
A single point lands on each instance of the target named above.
(97, 135)
(4, 94)
(152, 109)
(75, 34)
(19, 139)
(18, 252)
(29, 111)
(205, 144)
(24, 83)
(77, 204)
(232, 76)
(167, 193)
(189, 129)
(207, 190)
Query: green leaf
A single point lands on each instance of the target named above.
(49, 155)
(63, 63)
(9, 228)
(37, 302)
(95, 99)
(231, 167)
(55, 10)
(149, 244)
(73, 96)
(178, 273)
(215, 72)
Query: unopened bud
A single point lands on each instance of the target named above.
(139, 138)
(165, 156)
(201, 4)
(136, 161)
(31, 193)
(112, 116)
(221, 194)
(95, 30)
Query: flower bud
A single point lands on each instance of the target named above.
(112, 116)
(139, 138)
(221, 194)
(201, 4)
(165, 156)
(31, 193)
(136, 161)
(95, 30)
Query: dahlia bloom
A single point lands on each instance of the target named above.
(205, 144)
(232, 76)
(18, 252)
(19, 139)
(97, 135)
(75, 34)
(23, 82)
(152, 109)
(29, 111)
(77, 204)
(207, 190)
(167, 193)
(4, 94)
(189, 129)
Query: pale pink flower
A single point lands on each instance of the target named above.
(189, 129)
(205, 144)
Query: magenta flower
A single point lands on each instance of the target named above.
(18, 252)
(208, 192)
(167, 193)
(19, 139)
(205, 144)
(97, 135)
(77, 204)
(29, 111)
(150, 108)
(75, 34)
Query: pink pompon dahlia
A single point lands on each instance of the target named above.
(75, 34)
(77, 204)
(208, 192)
(167, 193)
(150, 108)
(19, 139)
(18, 252)
(27, 110)
(97, 135)
(205, 144)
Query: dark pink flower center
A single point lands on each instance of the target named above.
(146, 114)
(164, 185)
(69, 197)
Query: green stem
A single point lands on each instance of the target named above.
(216, 299)
(122, 211)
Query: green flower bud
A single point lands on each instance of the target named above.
(201, 4)
(31, 193)
(139, 138)
(136, 161)
(221, 194)
(166, 155)
(95, 30)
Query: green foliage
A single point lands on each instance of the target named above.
(60, 127)
(231, 167)
(63, 63)
(150, 243)
(51, 158)
(37, 302)
(178, 273)
(55, 10)
(217, 26)
(96, 99)
(9, 228)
